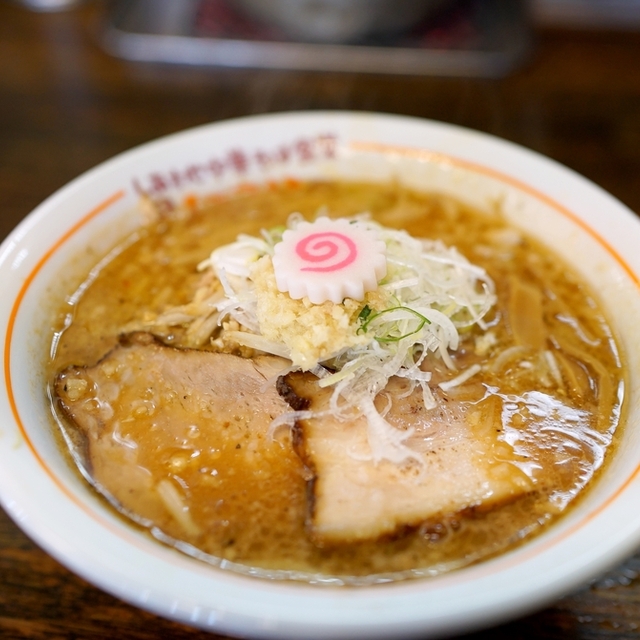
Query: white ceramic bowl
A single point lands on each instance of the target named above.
(47, 499)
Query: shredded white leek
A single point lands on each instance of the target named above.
(430, 291)
(462, 378)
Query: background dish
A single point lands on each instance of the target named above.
(44, 495)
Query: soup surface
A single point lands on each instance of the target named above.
(175, 430)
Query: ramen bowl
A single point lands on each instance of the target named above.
(69, 232)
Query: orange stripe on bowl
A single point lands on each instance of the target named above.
(14, 312)
(103, 206)
(440, 158)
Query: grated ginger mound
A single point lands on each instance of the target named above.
(312, 332)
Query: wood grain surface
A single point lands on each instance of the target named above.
(65, 105)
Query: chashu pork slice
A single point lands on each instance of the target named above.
(178, 438)
(460, 464)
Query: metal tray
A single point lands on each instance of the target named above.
(485, 38)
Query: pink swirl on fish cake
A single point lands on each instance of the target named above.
(323, 247)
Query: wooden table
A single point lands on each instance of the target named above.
(65, 105)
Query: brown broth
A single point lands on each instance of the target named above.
(262, 517)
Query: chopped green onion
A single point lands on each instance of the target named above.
(391, 338)
(365, 313)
